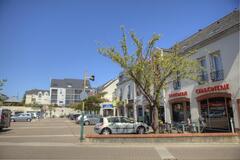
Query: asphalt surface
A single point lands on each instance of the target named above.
(59, 139)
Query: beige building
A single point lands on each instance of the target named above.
(36, 96)
(108, 108)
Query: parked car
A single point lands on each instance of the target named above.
(22, 117)
(5, 118)
(89, 119)
(72, 116)
(33, 113)
(120, 125)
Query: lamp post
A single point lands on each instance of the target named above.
(84, 96)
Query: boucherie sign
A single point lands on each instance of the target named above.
(221, 87)
(178, 94)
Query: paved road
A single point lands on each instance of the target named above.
(59, 139)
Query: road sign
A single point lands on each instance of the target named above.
(83, 95)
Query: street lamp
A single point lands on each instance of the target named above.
(84, 96)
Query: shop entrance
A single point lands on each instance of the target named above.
(108, 112)
(181, 111)
(216, 113)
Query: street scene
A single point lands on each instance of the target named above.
(120, 79)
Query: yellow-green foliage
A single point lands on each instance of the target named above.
(150, 68)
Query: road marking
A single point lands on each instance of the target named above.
(28, 136)
(30, 127)
(39, 144)
(164, 153)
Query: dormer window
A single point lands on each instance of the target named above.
(40, 95)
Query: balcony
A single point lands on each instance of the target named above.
(176, 84)
(217, 75)
(203, 77)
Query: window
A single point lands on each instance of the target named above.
(203, 75)
(78, 91)
(54, 91)
(125, 120)
(121, 94)
(217, 73)
(129, 92)
(177, 82)
(113, 120)
(33, 100)
(39, 95)
(54, 97)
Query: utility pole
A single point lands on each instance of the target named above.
(83, 105)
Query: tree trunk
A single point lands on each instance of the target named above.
(155, 126)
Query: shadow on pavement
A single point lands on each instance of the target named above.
(4, 130)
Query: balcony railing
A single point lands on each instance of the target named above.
(217, 75)
(203, 77)
(176, 84)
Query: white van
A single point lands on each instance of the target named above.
(5, 118)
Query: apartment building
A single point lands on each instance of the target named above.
(37, 96)
(216, 98)
(65, 92)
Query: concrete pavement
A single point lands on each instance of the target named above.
(59, 139)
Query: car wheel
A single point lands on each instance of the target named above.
(29, 120)
(140, 130)
(106, 131)
(86, 123)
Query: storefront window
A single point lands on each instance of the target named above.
(181, 111)
(216, 112)
(178, 112)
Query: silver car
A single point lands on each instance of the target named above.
(120, 125)
(88, 119)
(23, 117)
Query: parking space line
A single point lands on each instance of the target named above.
(29, 136)
(164, 153)
(52, 127)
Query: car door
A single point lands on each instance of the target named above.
(127, 125)
(20, 118)
(114, 124)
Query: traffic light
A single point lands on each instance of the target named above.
(92, 78)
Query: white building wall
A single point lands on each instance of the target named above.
(110, 90)
(44, 99)
(229, 51)
(61, 95)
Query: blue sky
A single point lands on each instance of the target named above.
(44, 39)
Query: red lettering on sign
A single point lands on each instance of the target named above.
(213, 88)
(184, 93)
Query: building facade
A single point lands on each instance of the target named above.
(108, 108)
(37, 96)
(133, 104)
(216, 97)
(65, 92)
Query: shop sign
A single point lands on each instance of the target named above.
(178, 94)
(213, 88)
(107, 106)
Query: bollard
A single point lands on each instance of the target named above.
(232, 128)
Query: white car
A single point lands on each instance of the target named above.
(120, 125)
